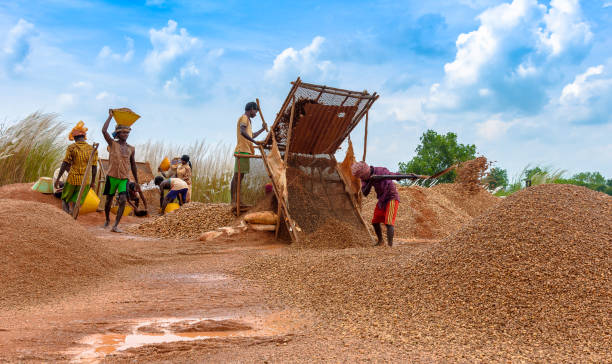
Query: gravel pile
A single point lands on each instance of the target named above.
(336, 234)
(45, 253)
(473, 201)
(529, 280)
(189, 222)
(434, 213)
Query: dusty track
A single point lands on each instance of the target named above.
(181, 286)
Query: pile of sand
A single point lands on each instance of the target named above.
(336, 234)
(529, 280)
(44, 252)
(189, 222)
(433, 213)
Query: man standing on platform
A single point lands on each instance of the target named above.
(244, 145)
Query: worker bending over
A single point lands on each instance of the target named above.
(244, 145)
(121, 160)
(178, 188)
(77, 156)
(388, 198)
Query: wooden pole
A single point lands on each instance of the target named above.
(77, 206)
(289, 131)
(365, 138)
(261, 115)
(238, 188)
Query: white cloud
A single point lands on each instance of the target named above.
(512, 55)
(82, 85)
(305, 62)
(17, 46)
(492, 129)
(169, 46)
(106, 53)
(102, 95)
(589, 98)
(607, 4)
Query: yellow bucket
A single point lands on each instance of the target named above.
(91, 203)
(172, 206)
(126, 211)
(165, 164)
(125, 116)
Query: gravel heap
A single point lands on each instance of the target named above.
(336, 234)
(434, 213)
(473, 201)
(189, 222)
(529, 280)
(44, 253)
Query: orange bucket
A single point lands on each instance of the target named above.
(165, 164)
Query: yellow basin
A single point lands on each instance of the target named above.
(125, 116)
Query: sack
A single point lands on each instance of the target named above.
(261, 218)
(257, 227)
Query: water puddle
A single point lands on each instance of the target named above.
(161, 331)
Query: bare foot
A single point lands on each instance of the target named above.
(115, 229)
(106, 223)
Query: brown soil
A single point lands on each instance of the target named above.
(44, 253)
(189, 222)
(474, 202)
(529, 280)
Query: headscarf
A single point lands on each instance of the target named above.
(78, 130)
(119, 128)
(361, 170)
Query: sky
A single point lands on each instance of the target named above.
(526, 81)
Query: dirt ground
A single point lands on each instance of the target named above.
(180, 291)
(180, 300)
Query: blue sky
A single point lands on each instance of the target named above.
(526, 81)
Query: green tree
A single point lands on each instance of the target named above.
(437, 152)
(497, 177)
(594, 178)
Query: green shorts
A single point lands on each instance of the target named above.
(70, 193)
(245, 165)
(115, 185)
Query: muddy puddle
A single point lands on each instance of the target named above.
(94, 348)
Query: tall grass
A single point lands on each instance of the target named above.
(31, 148)
(213, 169)
(548, 174)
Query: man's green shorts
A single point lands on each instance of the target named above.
(70, 193)
(245, 165)
(115, 185)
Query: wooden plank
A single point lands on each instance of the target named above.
(365, 138)
(261, 115)
(289, 131)
(353, 202)
(281, 201)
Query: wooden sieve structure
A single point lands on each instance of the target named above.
(311, 125)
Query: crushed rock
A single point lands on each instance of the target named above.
(189, 222)
(528, 280)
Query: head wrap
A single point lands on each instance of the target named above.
(78, 130)
(120, 127)
(361, 170)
